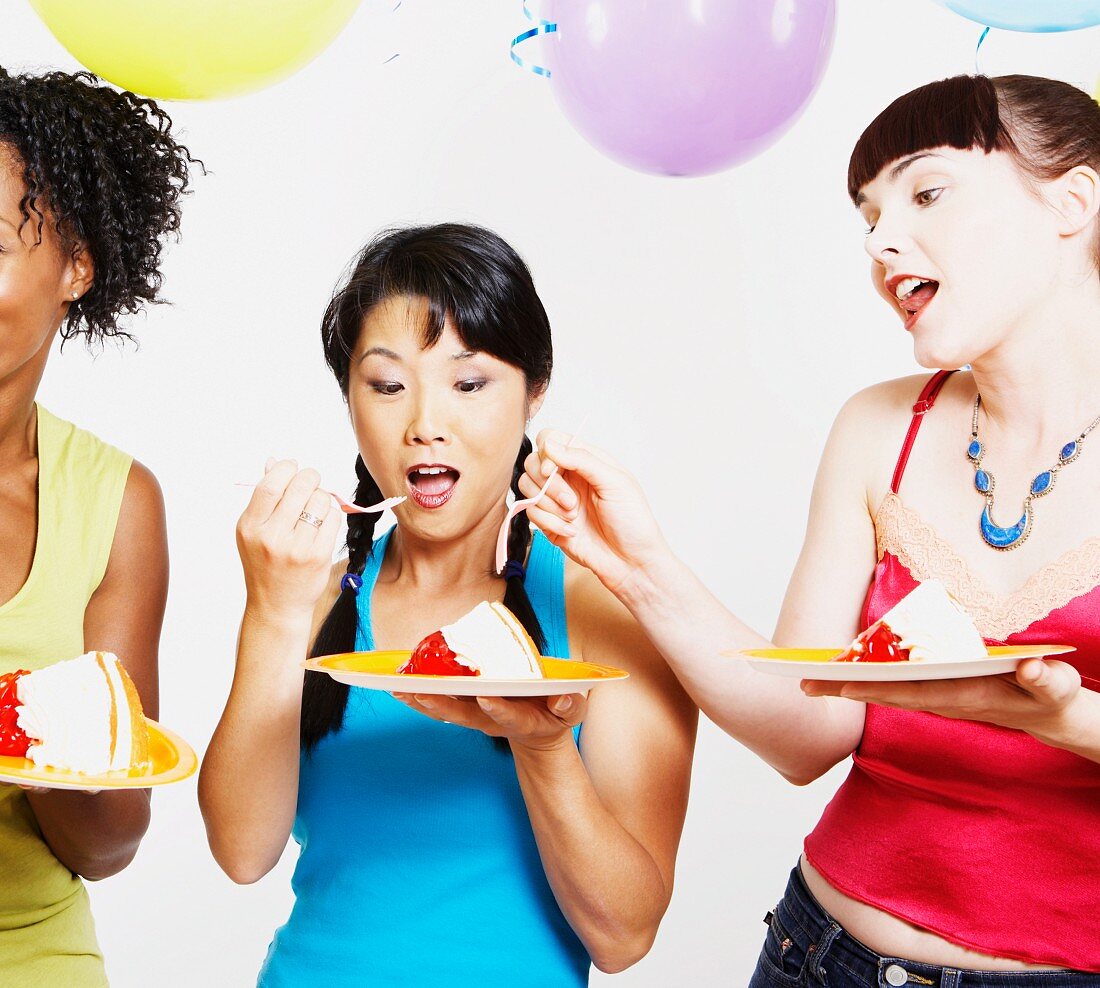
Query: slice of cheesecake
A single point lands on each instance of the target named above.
(927, 625)
(488, 641)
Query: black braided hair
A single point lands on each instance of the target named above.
(471, 276)
(108, 170)
(519, 541)
(324, 699)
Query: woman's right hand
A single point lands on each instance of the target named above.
(594, 510)
(287, 560)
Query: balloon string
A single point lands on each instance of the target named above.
(542, 26)
(977, 53)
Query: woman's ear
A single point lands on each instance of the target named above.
(1076, 197)
(535, 403)
(80, 273)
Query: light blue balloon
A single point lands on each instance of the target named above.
(1029, 15)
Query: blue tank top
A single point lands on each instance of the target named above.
(418, 865)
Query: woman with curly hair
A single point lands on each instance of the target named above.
(90, 181)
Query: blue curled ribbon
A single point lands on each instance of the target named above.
(977, 52)
(542, 26)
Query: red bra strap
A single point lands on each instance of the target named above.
(924, 404)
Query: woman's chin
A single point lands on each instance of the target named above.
(932, 351)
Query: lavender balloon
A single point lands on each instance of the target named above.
(686, 87)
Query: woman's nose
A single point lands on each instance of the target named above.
(886, 239)
(427, 427)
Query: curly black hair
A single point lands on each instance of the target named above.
(108, 170)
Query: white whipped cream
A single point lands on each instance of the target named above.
(934, 626)
(482, 640)
(66, 710)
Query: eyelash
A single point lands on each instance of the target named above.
(380, 387)
(917, 199)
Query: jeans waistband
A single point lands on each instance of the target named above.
(829, 944)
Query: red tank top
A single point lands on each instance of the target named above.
(980, 834)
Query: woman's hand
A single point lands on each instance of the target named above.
(287, 557)
(539, 723)
(1038, 697)
(593, 510)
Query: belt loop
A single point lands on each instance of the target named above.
(950, 978)
(818, 951)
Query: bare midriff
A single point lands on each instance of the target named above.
(890, 936)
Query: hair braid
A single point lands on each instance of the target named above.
(324, 699)
(519, 541)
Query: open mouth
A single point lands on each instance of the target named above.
(913, 294)
(432, 484)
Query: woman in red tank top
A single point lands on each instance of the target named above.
(964, 846)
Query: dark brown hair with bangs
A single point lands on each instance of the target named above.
(1048, 126)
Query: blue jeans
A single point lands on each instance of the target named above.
(806, 947)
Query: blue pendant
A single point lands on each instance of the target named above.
(1042, 483)
(1070, 451)
(983, 481)
(974, 450)
(1004, 538)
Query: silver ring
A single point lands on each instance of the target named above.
(310, 519)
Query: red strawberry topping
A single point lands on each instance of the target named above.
(877, 644)
(433, 657)
(13, 741)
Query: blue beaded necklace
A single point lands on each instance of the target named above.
(1015, 535)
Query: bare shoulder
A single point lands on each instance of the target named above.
(867, 437)
(603, 631)
(142, 499)
(881, 407)
(140, 538)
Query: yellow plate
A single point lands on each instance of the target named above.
(794, 662)
(378, 671)
(171, 760)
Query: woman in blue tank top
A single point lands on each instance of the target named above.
(443, 841)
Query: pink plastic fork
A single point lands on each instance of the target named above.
(353, 509)
(524, 504)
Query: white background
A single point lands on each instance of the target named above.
(712, 327)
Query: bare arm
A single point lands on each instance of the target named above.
(607, 819)
(608, 829)
(599, 517)
(96, 836)
(248, 787)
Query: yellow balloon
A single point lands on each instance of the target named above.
(194, 49)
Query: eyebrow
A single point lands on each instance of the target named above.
(381, 351)
(899, 168)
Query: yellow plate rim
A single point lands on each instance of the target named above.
(577, 670)
(187, 762)
(815, 655)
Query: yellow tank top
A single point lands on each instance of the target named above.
(47, 938)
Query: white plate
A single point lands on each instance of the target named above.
(377, 671)
(814, 663)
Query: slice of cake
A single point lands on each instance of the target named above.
(82, 715)
(927, 625)
(488, 641)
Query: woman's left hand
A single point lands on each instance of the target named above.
(1036, 698)
(540, 722)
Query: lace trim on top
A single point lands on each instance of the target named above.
(900, 531)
